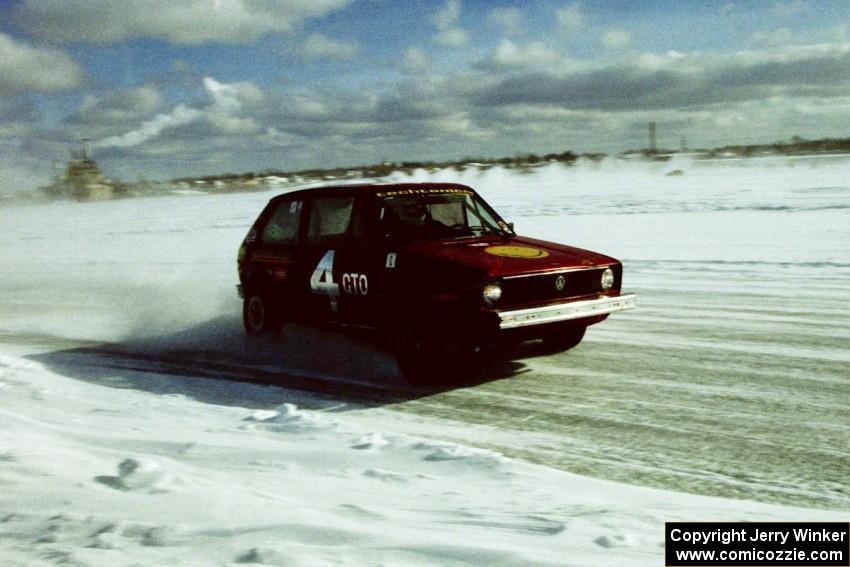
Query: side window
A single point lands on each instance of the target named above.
(283, 224)
(358, 222)
(330, 218)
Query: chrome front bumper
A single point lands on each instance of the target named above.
(565, 311)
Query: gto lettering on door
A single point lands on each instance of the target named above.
(355, 284)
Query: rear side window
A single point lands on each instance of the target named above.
(282, 227)
(330, 218)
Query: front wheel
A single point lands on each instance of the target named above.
(563, 339)
(259, 318)
(414, 353)
(425, 359)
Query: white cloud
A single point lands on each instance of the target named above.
(782, 36)
(229, 101)
(181, 67)
(689, 82)
(183, 22)
(452, 37)
(448, 32)
(447, 16)
(119, 106)
(524, 94)
(26, 68)
(9, 130)
(570, 19)
(510, 21)
(791, 8)
(616, 39)
(230, 112)
(231, 97)
(152, 128)
(233, 125)
(310, 108)
(534, 54)
(278, 138)
(317, 46)
(837, 34)
(415, 60)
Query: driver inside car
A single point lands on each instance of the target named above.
(412, 220)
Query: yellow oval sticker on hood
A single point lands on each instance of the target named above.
(517, 252)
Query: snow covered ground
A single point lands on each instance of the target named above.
(137, 426)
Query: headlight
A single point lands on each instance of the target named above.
(607, 279)
(492, 293)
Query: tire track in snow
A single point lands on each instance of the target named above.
(714, 392)
(711, 391)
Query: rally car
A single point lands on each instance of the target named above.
(430, 265)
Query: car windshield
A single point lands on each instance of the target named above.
(438, 216)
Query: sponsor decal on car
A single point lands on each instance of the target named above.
(447, 190)
(524, 252)
(355, 284)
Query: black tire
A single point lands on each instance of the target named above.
(563, 339)
(414, 352)
(424, 360)
(259, 317)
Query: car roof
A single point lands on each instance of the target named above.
(370, 189)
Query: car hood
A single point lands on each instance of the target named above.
(498, 257)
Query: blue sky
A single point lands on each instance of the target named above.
(168, 88)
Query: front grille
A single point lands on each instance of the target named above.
(542, 288)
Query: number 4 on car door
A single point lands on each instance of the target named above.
(322, 281)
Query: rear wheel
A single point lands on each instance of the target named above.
(259, 318)
(563, 339)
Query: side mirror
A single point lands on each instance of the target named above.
(511, 226)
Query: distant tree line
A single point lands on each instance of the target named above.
(227, 182)
(797, 145)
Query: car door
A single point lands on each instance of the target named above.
(344, 265)
(273, 256)
(360, 266)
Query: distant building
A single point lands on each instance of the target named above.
(82, 180)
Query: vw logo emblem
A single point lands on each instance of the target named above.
(560, 283)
